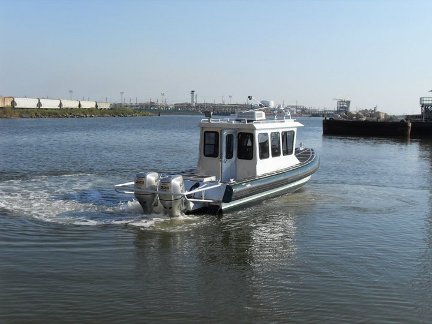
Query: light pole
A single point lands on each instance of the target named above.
(70, 94)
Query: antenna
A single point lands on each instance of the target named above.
(260, 105)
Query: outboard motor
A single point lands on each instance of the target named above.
(172, 201)
(143, 183)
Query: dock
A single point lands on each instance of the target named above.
(367, 128)
(421, 129)
(413, 126)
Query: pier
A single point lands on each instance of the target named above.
(367, 128)
(413, 126)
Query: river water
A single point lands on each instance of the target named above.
(354, 245)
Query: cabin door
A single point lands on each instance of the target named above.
(229, 148)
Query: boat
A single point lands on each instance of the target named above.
(242, 160)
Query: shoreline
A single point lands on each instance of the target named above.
(9, 113)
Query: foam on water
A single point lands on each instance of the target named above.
(80, 200)
(70, 199)
(165, 223)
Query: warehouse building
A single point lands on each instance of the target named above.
(42, 103)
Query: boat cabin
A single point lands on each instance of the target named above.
(246, 146)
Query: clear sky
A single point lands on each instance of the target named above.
(373, 52)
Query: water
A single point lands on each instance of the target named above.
(355, 245)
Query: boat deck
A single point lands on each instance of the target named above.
(195, 176)
(304, 155)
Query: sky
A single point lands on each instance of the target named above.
(305, 52)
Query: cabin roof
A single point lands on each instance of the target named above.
(234, 123)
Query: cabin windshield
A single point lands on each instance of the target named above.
(245, 146)
(229, 146)
(288, 142)
(275, 144)
(211, 144)
(263, 143)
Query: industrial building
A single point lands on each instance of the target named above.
(42, 103)
(426, 108)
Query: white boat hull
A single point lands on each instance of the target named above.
(208, 195)
(291, 187)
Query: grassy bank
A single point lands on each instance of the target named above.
(68, 113)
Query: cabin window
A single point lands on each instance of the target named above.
(211, 144)
(287, 142)
(229, 146)
(275, 144)
(263, 144)
(245, 146)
